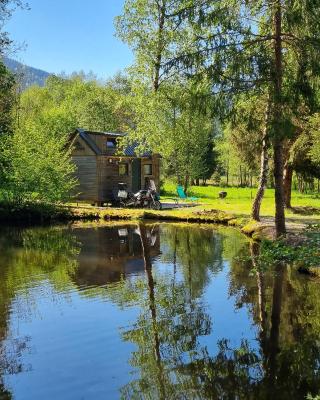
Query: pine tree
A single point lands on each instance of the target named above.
(256, 46)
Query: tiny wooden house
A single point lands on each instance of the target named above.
(100, 168)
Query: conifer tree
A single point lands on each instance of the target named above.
(256, 47)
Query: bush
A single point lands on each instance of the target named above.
(32, 213)
(38, 164)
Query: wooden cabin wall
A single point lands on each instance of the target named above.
(108, 176)
(100, 140)
(86, 173)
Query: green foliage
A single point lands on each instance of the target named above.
(39, 168)
(314, 151)
(305, 254)
(245, 131)
(171, 122)
(36, 157)
(33, 213)
(237, 159)
(7, 98)
(87, 104)
(144, 25)
(171, 116)
(216, 177)
(305, 149)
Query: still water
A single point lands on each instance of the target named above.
(152, 312)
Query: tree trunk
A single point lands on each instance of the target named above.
(278, 141)
(262, 298)
(255, 212)
(186, 183)
(152, 305)
(277, 298)
(175, 257)
(287, 184)
(227, 172)
(157, 65)
(279, 192)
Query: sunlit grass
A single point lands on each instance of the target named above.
(239, 200)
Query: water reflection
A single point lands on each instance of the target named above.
(152, 312)
(109, 255)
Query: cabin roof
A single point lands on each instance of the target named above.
(129, 151)
(107, 134)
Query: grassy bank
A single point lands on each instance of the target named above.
(234, 211)
(239, 200)
(38, 214)
(301, 252)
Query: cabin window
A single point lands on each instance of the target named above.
(147, 169)
(123, 169)
(111, 143)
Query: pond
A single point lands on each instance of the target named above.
(156, 311)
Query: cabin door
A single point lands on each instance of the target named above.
(136, 175)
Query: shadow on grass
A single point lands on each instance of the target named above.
(305, 210)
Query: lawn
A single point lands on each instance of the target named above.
(239, 200)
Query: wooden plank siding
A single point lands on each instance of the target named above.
(108, 175)
(88, 187)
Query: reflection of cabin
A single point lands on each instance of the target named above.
(111, 254)
(100, 168)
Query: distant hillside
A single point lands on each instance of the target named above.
(29, 76)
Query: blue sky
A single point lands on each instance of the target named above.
(70, 35)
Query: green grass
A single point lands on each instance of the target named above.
(237, 205)
(239, 200)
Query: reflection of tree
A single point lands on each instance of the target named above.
(174, 357)
(29, 257)
(170, 358)
(148, 268)
(198, 252)
(167, 329)
(230, 374)
(288, 319)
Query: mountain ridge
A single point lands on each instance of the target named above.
(29, 76)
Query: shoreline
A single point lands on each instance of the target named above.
(35, 214)
(263, 232)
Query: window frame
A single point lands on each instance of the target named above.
(151, 169)
(126, 165)
(114, 143)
